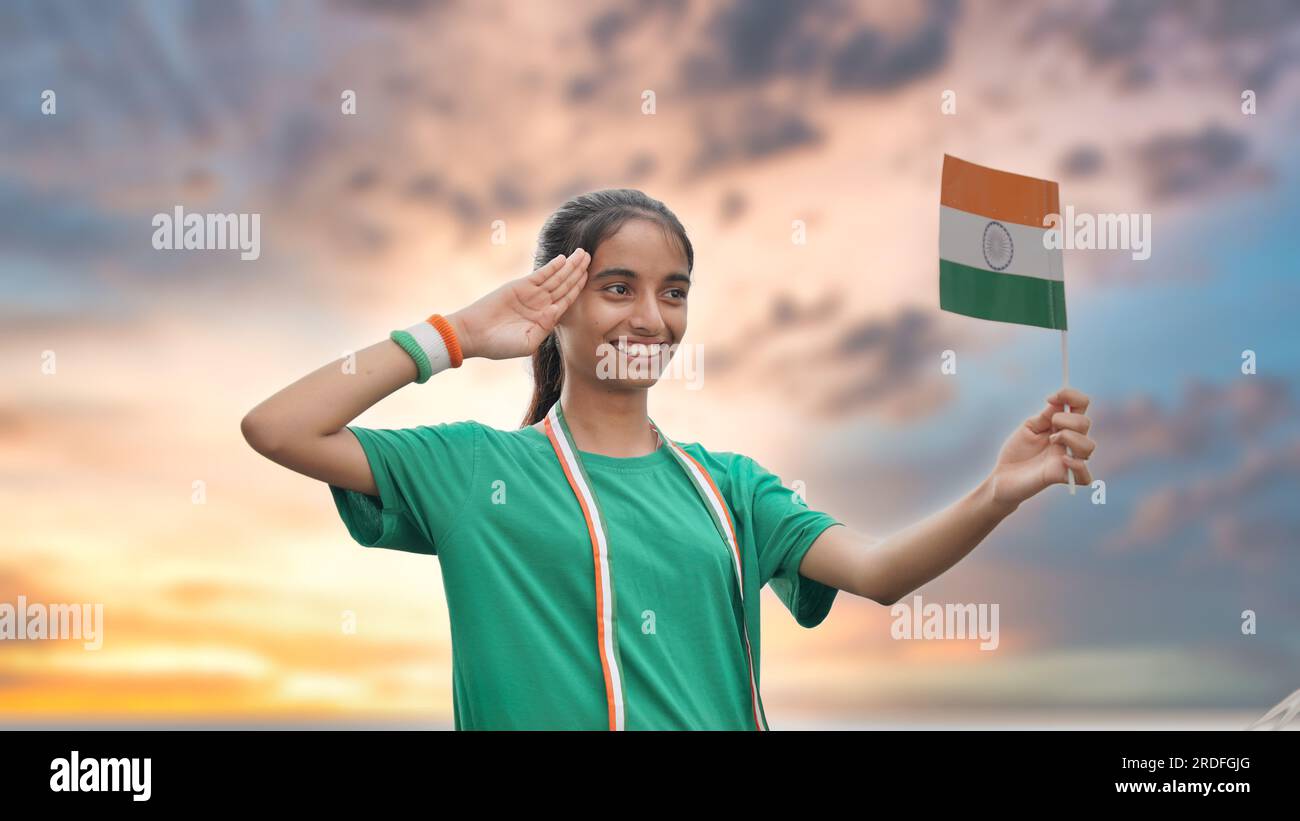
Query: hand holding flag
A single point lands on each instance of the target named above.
(995, 263)
(1035, 457)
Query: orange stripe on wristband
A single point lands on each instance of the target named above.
(448, 336)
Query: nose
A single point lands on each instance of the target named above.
(646, 318)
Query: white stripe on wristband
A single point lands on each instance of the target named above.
(431, 342)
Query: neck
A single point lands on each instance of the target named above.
(609, 422)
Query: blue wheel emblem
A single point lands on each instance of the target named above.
(998, 248)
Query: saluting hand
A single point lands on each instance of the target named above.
(514, 319)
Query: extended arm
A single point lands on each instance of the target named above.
(885, 570)
(1034, 457)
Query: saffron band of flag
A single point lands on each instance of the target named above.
(993, 261)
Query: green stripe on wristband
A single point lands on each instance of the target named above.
(408, 343)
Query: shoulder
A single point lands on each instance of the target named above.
(731, 470)
(465, 430)
(420, 438)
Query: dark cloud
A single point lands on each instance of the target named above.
(301, 144)
(571, 188)
(752, 41)
(1138, 430)
(640, 165)
(888, 365)
(1232, 20)
(115, 66)
(877, 365)
(1126, 33)
(757, 132)
(582, 87)
(224, 52)
(1177, 164)
(1209, 510)
(360, 237)
(1259, 542)
(362, 180)
(1264, 74)
(465, 208)
(873, 60)
(607, 27)
(1082, 161)
(425, 187)
(1136, 76)
(785, 314)
(1118, 30)
(398, 9)
(507, 193)
(732, 206)
(62, 225)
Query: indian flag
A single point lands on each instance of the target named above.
(993, 263)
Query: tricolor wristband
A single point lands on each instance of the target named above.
(432, 344)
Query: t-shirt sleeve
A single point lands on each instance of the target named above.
(423, 475)
(784, 529)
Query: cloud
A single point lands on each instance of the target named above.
(397, 10)
(1249, 44)
(1137, 431)
(1174, 164)
(1082, 161)
(752, 42)
(59, 223)
(875, 61)
(833, 368)
(1216, 502)
(757, 131)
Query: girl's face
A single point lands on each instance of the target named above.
(635, 292)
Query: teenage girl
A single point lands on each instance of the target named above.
(600, 574)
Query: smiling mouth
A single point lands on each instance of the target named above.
(639, 348)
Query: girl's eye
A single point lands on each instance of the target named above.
(678, 293)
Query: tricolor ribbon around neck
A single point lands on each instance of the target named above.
(557, 430)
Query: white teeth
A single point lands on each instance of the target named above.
(636, 348)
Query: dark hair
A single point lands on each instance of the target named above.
(584, 222)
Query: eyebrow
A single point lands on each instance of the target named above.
(630, 274)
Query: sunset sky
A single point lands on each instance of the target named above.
(821, 360)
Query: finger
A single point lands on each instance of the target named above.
(1042, 423)
(1082, 476)
(541, 274)
(560, 283)
(1072, 421)
(1080, 445)
(1075, 398)
(570, 292)
(562, 304)
(578, 258)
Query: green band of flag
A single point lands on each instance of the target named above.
(1002, 297)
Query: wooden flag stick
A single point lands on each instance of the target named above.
(1065, 383)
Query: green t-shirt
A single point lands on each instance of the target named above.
(517, 568)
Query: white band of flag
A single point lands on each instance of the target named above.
(1005, 247)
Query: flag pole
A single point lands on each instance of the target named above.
(1065, 383)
